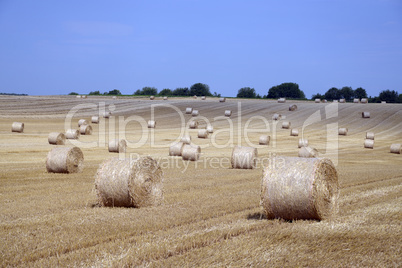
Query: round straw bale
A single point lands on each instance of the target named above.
(78, 97)
(343, 131)
(203, 98)
(82, 122)
(222, 99)
(151, 124)
(356, 100)
(293, 107)
(202, 133)
(335, 101)
(117, 146)
(194, 124)
(370, 135)
(244, 157)
(85, 130)
(17, 127)
(165, 98)
(364, 100)
(228, 112)
(281, 100)
(191, 152)
(306, 151)
(107, 114)
(152, 97)
(369, 144)
(195, 96)
(294, 132)
(300, 188)
(95, 119)
(303, 142)
(195, 113)
(186, 139)
(176, 149)
(396, 148)
(342, 100)
(189, 110)
(65, 160)
(84, 96)
(73, 134)
(56, 138)
(276, 117)
(129, 183)
(210, 129)
(383, 102)
(317, 100)
(114, 97)
(286, 124)
(324, 101)
(264, 140)
(365, 114)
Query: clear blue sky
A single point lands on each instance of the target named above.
(55, 47)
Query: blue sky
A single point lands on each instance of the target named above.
(55, 47)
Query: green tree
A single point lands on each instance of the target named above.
(217, 95)
(400, 98)
(137, 92)
(165, 92)
(286, 90)
(73, 93)
(317, 96)
(149, 91)
(97, 92)
(246, 92)
(347, 93)
(332, 94)
(389, 96)
(181, 91)
(200, 89)
(114, 92)
(360, 93)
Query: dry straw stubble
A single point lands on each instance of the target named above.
(56, 138)
(244, 157)
(65, 160)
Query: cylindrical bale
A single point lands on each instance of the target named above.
(293, 107)
(78, 97)
(151, 124)
(56, 138)
(222, 99)
(84, 96)
(342, 100)
(107, 114)
(383, 102)
(343, 131)
(210, 129)
(300, 188)
(286, 124)
(370, 135)
(203, 98)
(191, 152)
(317, 100)
(17, 127)
(195, 113)
(369, 144)
(202, 133)
(186, 139)
(165, 98)
(364, 100)
(65, 160)
(303, 143)
(95, 119)
(195, 96)
(85, 130)
(324, 101)
(281, 100)
(176, 149)
(276, 117)
(365, 114)
(335, 101)
(306, 151)
(189, 110)
(193, 124)
(117, 146)
(264, 140)
(114, 97)
(228, 112)
(152, 97)
(72, 134)
(244, 157)
(129, 183)
(294, 132)
(82, 122)
(396, 148)
(356, 100)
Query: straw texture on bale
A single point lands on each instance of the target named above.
(17, 127)
(191, 152)
(300, 188)
(303, 143)
(396, 148)
(117, 146)
(342, 100)
(202, 133)
(276, 117)
(294, 132)
(152, 97)
(210, 129)
(176, 149)
(343, 131)
(124, 183)
(95, 119)
(286, 124)
(356, 100)
(82, 122)
(244, 157)
(366, 114)
(293, 107)
(193, 124)
(281, 100)
(369, 144)
(189, 110)
(228, 112)
(317, 100)
(264, 140)
(195, 113)
(364, 100)
(107, 114)
(65, 160)
(222, 99)
(56, 138)
(151, 124)
(165, 98)
(203, 98)
(186, 139)
(85, 130)
(72, 134)
(370, 135)
(306, 151)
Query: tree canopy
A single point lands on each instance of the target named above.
(114, 92)
(346, 93)
(360, 93)
(332, 94)
(389, 96)
(165, 92)
(200, 89)
(146, 91)
(246, 92)
(181, 91)
(286, 90)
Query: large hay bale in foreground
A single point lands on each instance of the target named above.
(56, 138)
(286, 124)
(276, 117)
(17, 127)
(293, 107)
(195, 113)
(365, 114)
(176, 149)
(95, 119)
(186, 139)
(370, 135)
(244, 157)
(72, 134)
(300, 188)
(396, 148)
(203, 133)
(82, 122)
(129, 183)
(343, 131)
(65, 160)
(193, 124)
(191, 152)
(222, 99)
(151, 124)
(189, 110)
(306, 151)
(294, 132)
(228, 113)
(117, 146)
(264, 140)
(369, 144)
(85, 130)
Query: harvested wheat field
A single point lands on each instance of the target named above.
(211, 213)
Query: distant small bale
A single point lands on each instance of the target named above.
(17, 127)
(165, 98)
(264, 140)
(202, 133)
(107, 114)
(228, 113)
(317, 100)
(343, 131)
(85, 130)
(189, 110)
(276, 117)
(303, 143)
(342, 100)
(65, 160)
(324, 101)
(203, 98)
(295, 188)
(293, 107)
(117, 146)
(82, 122)
(114, 97)
(195, 113)
(244, 157)
(370, 135)
(193, 124)
(176, 149)
(281, 100)
(72, 134)
(84, 96)
(396, 148)
(191, 152)
(383, 102)
(151, 124)
(335, 101)
(129, 183)
(306, 151)
(369, 144)
(286, 124)
(186, 139)
(364, 100)
(56, 138)
(356, 100)
(195, 96)
(294, 132)
(78, 97)
(95, 119)
(152, 97)
(222, 99)
(210, 129)
(365, 114)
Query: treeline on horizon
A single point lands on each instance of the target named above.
(284, 90)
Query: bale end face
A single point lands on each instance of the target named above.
(396, 148)
(56, 138)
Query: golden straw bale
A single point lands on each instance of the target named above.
(95, 119)
(286, 124)
(317, 100)
(276, 117)
(202, 133)
(82, 122)
(369, 144)
(73, 134)
(294, 132)
(303, 143)
(306, 151)
(176, 149)
(189, 110)
(117, 146)
(228, 113)
(342, 100)
(365, 114)
(210, 129)
(244, 157)
(151, 124)
(152, 97)
(85, 130)
(370, 135)
(195, 96)
(186, 139)
(356, 100)
(17, 127)
(56, 138)
(194, 124)
(264, 140)
(343, 131)
(364, 100)
(396, 148)
(203, 98)
(65, 160)
(195, 113)
(165, 98)
(107, 114)
(222, 99)
(293, 107)
(281, 100)
(191, 152)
